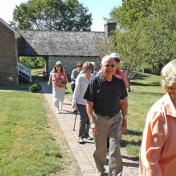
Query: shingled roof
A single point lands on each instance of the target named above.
(60, 43)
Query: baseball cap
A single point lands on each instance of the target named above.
(113, 55)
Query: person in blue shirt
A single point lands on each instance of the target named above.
(50, 77)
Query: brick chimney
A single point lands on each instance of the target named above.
(109, 28)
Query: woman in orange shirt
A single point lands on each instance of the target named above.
(158, 148)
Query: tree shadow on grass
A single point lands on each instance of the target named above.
(124, 143)
(137, 143)
(150, 93)
(140, 76)
(133, 83)
(133, 133)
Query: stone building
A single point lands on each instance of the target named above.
(69, 47)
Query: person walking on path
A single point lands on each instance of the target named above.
(93, 72)
(158, 148)
(74, 74)
(118, 72)
(59, 79)
(50, 77)
(106, 96)
(79, 102)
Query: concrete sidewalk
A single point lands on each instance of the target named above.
(83, 152)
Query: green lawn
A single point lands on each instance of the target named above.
(26, 145)
(37, 71)
(27, 148)
(145, 91)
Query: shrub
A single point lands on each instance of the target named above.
(35, 87)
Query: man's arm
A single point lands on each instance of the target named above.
(89, 108)
(123, 104)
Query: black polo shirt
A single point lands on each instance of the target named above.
(106, 95)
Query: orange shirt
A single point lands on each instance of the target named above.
(158, 148)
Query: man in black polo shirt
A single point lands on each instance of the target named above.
(106, 96)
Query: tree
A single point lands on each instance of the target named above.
(33, 62)
(68, 15)
(131, 12)
(132, 49)
(156, 20)
(160, 34)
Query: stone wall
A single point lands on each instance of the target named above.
(8, 56)
(69, 63)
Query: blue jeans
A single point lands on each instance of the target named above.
(84, 121)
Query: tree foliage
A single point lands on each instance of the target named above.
(160, 33)
(155, 19)
(132, 49)
(33, 62)
(68, 15)
(131, 12)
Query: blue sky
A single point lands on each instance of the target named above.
(98, 8)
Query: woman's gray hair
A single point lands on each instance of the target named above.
(87, 66)
(168, 74)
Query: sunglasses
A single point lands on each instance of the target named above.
(117, 60)
(107, 66)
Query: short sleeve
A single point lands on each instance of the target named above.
(124, 91)
(89, 94)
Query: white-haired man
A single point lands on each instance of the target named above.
(118, 72)
(106, 96)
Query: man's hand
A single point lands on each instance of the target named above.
(94, 127)
(124, 125)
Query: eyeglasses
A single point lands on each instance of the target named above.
(117, 60)
(107, 66)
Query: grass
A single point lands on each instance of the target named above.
(146, 90)
(37, 71)
(27, 147)
(14, 87)
(68, 91)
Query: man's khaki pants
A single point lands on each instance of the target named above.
(112, 128)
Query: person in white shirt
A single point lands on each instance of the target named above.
(80, 103)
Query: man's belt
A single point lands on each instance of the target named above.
(105, 116)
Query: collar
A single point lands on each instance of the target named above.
(169, 106)
(104, 79)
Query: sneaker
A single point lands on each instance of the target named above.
(98, 173)
(89, 138)
(58, 111)
(81, 141)
(60, 106)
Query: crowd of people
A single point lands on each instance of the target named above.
(102, 101)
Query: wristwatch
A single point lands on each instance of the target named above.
(92, 121)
